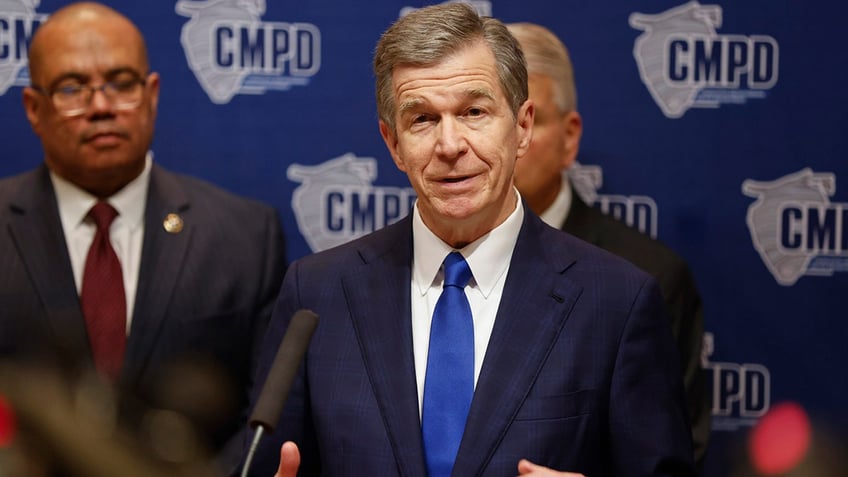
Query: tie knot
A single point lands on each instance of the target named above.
(457, 272)
(102, 214)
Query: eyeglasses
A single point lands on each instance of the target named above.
(74, 100)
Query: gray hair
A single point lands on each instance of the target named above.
(431, 34)
(547, 55)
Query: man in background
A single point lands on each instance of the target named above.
(160, 283)
(543, 182)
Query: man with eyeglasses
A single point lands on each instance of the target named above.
(108, 262)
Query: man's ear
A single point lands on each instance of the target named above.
(390, 138)
(572, 130)
(152, 85)
(524, 123)
(32, 103)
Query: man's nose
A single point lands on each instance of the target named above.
(451, 141)
(99, 103)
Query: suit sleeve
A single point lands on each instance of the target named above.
(275, 269)
(273, 253)
(687, 318)
(295, 423)
(649, 429)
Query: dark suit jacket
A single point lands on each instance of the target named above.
(580, 374)
(678, 289)
(203, 300)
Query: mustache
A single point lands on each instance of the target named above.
(101, 129)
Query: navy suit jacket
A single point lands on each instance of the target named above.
(580, 372)
(679, 292)
(204, 295)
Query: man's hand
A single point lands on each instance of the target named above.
(289, 460)
(525, 467)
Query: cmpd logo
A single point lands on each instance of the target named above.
(336, 201)
(637, 211)
(795, 227)
(685, 64)
(18, 21)
(232, 51)
(741, 392)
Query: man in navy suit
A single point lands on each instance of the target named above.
(574, 364)
(200, 267)
(544, 184)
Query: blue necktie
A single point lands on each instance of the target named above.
(449, 383)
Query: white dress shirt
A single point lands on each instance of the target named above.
(488, 257)
(556, 214)
(126, 232)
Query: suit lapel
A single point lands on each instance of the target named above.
(163, 255)
(37, 233)
(532, 312)
(384, 333)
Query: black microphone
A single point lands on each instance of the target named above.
(271, 400)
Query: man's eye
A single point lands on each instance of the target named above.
(474, 112)
(419, 119)
(68, 90)
(122, 86)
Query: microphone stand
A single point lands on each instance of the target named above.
(257, 436)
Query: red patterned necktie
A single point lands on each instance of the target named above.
(104, 304)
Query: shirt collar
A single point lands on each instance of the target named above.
(556, 214)
(488, 257)
(74, 202)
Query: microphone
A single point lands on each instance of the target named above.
(271, 400)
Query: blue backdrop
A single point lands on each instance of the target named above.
(719, 128)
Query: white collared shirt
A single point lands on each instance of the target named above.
(126, 232)
(556, 214)
(488, 257)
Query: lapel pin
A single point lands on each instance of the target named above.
(173, 224)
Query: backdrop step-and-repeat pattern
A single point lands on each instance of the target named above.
(718, 128)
